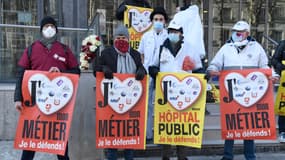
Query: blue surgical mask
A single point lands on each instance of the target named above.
(236, 38)
(173, 37)
(157, 25)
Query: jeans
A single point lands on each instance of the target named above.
(281, 123)
(248, 149)
(29, 155)
(151, 95)
(112, 154)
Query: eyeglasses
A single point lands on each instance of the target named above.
(158, 19)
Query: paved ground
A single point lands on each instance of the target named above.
(8, 153)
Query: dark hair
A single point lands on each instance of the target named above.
(180, 29)
(159, 10)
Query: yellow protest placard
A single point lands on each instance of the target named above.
(137, 20)
(179, 109)
(279, 106)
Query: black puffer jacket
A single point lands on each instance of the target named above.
(109, 57)
(279, 57)
(137, 3)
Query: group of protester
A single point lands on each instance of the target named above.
(162, 49)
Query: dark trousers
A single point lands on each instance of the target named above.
(281, 123)
(29, 155)
(248, 149)
(181, 152)
(112, 154)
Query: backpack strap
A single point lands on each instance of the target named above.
(159, 55)
(30, 50)
(64, 47)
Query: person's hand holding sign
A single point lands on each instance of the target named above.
(274, 79)
(54, 69)
(213, 73)
(188, 64)
(18, 106)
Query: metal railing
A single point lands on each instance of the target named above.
(15, 38)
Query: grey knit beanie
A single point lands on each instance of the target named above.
(122, 31)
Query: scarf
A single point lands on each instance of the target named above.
(48, 42)
(241, 45)
(125, 63)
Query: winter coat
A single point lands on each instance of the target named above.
(228, 57)
(109, 57)
(169, 61)
(150, 44)
(278, 59)
(41, 58)
(137, 3)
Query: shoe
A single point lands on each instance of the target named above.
(225, 158)
(282, 137)
(165, 158)
(149, 141)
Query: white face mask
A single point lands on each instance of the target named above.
(49, 32)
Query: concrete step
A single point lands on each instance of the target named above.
(264, 152)
(212, 143)
(213, 108)
(212, 122)
(208, 149)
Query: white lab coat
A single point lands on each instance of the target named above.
(149, 44)
(168, 63)
(252, 56)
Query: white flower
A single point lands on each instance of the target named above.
(98, 43)
(92, 48)
(89, 45)
(84, 42)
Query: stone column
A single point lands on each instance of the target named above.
(82, 132)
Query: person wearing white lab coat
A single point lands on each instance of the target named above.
(240, 52)
(175, 56)
(149, 44)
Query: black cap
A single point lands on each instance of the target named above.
(158, 10)
(48, 20)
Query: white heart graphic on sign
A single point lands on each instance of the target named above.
(53, 95)
(140, 21)
(247, 90)
(122, 95)
(182, 93)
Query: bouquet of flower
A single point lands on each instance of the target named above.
(88, 50)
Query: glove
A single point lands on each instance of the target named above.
(107, 72)
(153, 70)
(207, 77)
(140, 73)
(188, 64)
